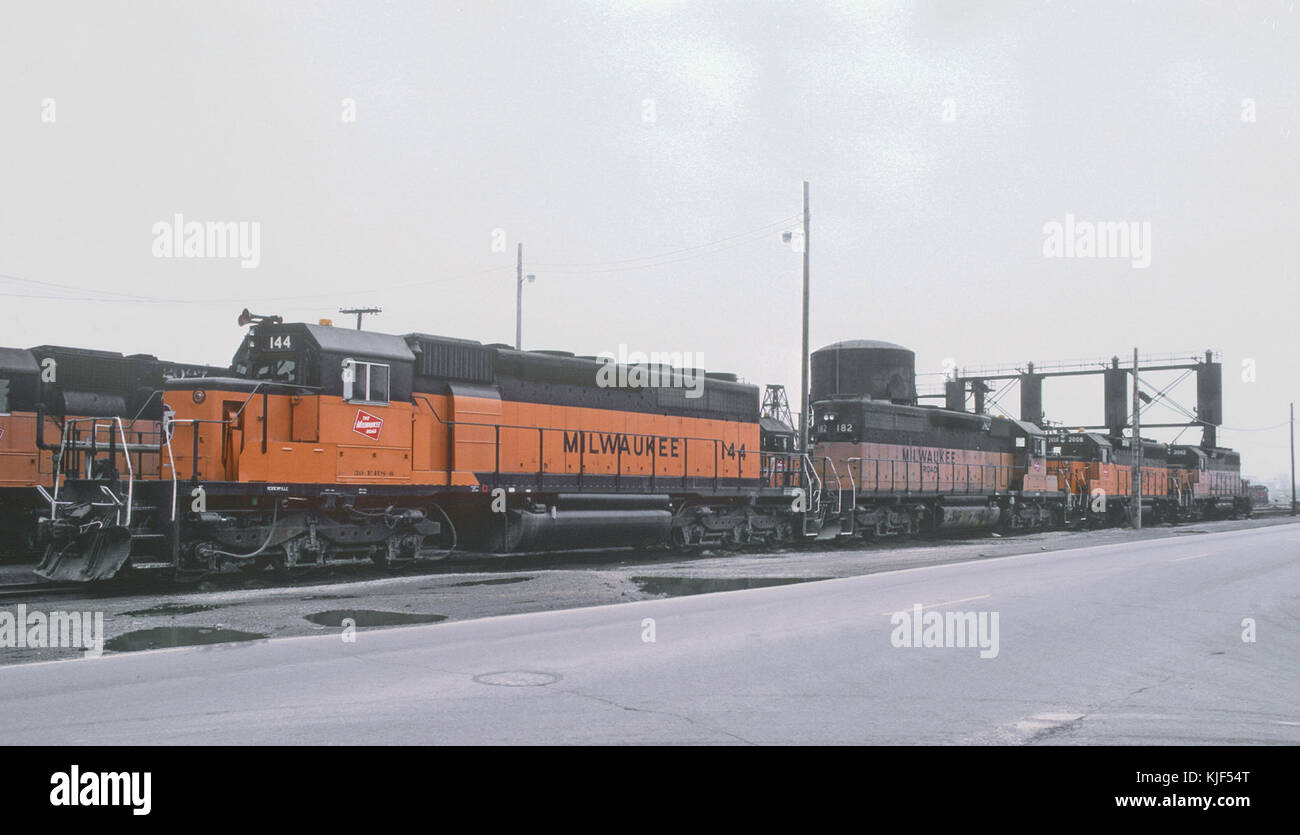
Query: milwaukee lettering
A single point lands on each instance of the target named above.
(616, 443)
(929, 456)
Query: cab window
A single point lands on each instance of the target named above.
(365, 382)
(279, 370)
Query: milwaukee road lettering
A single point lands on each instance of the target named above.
(616, 443)
(924, 455)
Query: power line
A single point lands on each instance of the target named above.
(126, 298)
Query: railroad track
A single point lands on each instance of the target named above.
(10, 591)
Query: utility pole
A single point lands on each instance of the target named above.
(1137, 447)
(1293, 458)
(361, 311)
(519, 299)
(803, 384)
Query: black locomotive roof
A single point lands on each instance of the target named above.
(18, 361)
(772, 425)
(428, 363)
(63, 350)
(369, 344)
(929, 415)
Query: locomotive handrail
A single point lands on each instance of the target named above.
(171, 461)
(814, 481)
(777, 476)
(853, 499)
(130, 472)
(195, 422)
(95, 425)
(839, 484)
(40, 488)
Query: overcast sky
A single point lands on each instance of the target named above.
(649, 154)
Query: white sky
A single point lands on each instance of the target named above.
(529, 117)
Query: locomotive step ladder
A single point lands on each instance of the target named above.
(103, 527)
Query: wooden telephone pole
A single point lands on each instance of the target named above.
(361, 311)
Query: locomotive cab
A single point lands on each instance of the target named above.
(357, 366)
(1208, 480)
(309, 404)
(1030, 443)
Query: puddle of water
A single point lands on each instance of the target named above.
(173, 609)
(495, 581)
(162, 637)
(679, 586)
(370, 617)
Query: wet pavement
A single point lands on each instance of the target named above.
(256, 608)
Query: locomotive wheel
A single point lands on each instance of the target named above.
(677, 541)
(734, 539)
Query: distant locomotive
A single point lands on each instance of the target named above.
(1206, 483)
(888, 466)
(323, 444)
(51, 395)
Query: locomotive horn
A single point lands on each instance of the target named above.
(246, 318)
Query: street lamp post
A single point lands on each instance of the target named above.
(788, 236)
(520, 278)
(803, 368)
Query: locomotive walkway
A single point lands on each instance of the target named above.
(1138, 642)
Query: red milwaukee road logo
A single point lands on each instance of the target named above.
(368, 425)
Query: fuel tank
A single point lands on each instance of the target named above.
(566, 528)
(951, 516)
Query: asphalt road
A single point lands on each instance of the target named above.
(1135, 642)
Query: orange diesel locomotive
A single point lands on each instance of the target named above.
(326, 443)
(1096, 473)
